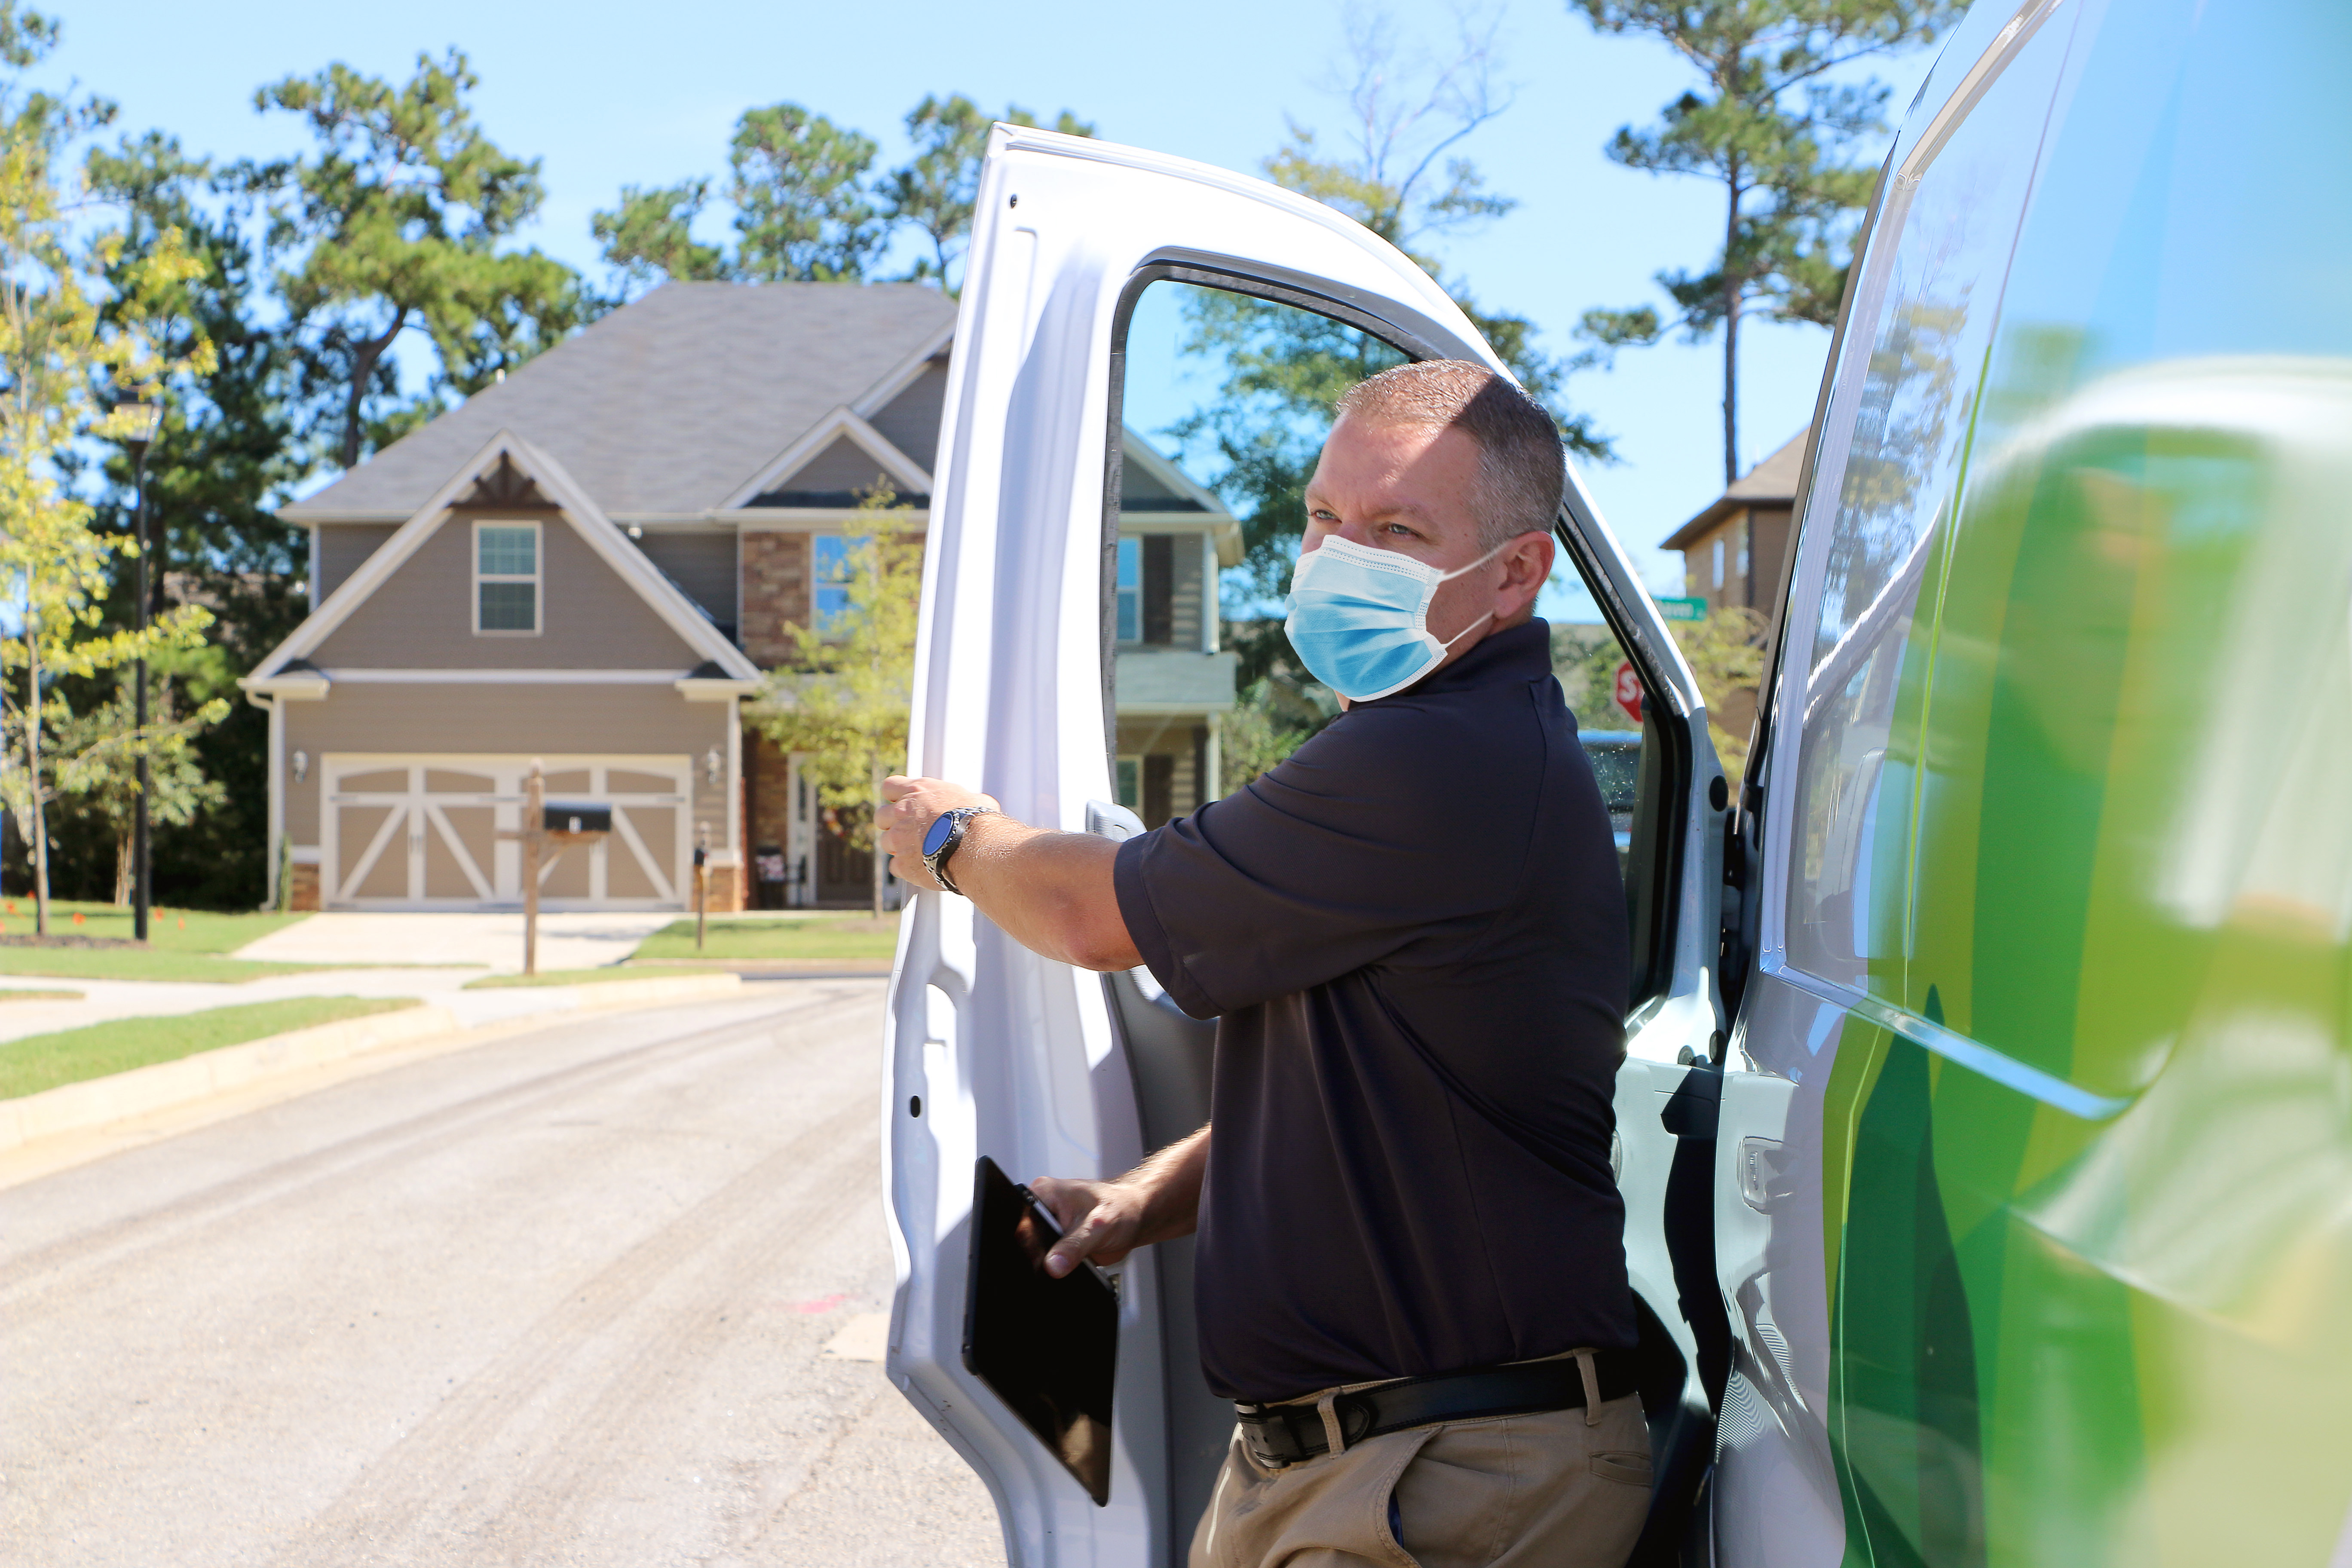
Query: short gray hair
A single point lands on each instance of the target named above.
(1521, 472)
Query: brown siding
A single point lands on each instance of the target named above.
(1185, 592)
(911, 420)
(343, 547)
(1768, 551)
(422, 617)
(505, 721)
(703, 563)
(843, 466)
(775, 593)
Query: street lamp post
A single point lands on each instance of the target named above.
(145, 418)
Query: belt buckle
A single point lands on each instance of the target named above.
(1256, 1422)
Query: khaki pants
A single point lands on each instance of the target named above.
(1551, 1490)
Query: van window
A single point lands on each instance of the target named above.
(1223, 400)
(1887, 479)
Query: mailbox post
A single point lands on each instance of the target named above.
(582, 824)
(534, 832)
(701, 878)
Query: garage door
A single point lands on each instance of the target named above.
(423, 833)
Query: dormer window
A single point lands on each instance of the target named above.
(506, 578)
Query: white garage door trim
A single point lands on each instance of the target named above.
(419, 816)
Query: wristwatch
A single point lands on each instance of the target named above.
(947, 832)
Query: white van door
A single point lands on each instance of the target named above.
(994, 1052)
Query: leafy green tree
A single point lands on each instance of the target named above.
(805, 208)
(802, 209)
(845, 701)
(1726, 652)
(1769, 126)
(649, 236)
(394, 221)
(80, 329)
(97, 773)
(1259, 732)
(934, 192)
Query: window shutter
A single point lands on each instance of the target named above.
(1158, 789)
(1158, 587)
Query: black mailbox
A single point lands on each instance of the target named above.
(576, 816)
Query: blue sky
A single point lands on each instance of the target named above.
(608, 95)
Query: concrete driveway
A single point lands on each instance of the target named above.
(492, 941)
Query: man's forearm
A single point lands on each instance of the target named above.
(1160, 1200)
(1051, 892)
(1173, 1179)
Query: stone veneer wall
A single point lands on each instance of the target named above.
(772, 803)
(775, 589)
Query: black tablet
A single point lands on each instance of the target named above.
(1048, 1347)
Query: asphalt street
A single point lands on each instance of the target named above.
(597, 1294)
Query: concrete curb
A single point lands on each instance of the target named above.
(166, 1086)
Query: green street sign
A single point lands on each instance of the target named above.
(1683, 610)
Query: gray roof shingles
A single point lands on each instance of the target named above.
(670, 404)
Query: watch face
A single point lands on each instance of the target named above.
(936, 839)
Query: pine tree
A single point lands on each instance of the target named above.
(394, 221)
(1773, 128)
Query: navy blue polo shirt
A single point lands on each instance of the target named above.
(1413, 936)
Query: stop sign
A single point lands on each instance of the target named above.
(1629, 692)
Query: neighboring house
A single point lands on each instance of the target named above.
(594, 563)
(1733, 550)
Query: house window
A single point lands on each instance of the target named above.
(1147, 579)
(1130, 599)
(506, 577)
(1719, 561)
(1130, 783)
(832, 564)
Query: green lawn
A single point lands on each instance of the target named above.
(586, 976)
(45, 1061)
(168, 930)
(739, 938)
(182, 944)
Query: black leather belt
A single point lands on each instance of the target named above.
(1279, 1434)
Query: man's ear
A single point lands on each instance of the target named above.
(1529, 559)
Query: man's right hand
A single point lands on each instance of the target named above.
(1102, 1222)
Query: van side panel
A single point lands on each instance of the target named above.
(2078, 870)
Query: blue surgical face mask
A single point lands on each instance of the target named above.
(1359, 616)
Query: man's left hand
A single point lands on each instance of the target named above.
(910, 807)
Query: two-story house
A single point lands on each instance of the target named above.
(1733, 550)
(594, 564)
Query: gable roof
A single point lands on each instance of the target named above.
(668, 404)
(512, 465)
(1772, 482)
(842, 424)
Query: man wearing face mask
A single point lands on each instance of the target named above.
(1411, 1275)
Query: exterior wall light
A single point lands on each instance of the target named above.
(711, 764)
(302, 766)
